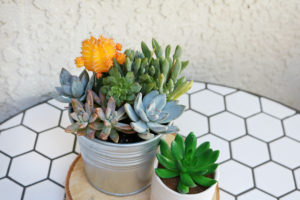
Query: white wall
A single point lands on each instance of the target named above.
(250, 44)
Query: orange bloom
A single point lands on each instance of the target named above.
(79, 62)
(120, 57)
(98, 54)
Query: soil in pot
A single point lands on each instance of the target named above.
(172, 183)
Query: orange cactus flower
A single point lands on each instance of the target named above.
(98, 54)
(120, 57)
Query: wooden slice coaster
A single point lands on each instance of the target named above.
(78, 187)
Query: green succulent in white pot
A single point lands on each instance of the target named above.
(121, 111)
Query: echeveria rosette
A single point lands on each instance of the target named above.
(121, 88)
(73, 87)
(109, 123)
(153, 113)
(188, 162)
(83, 116)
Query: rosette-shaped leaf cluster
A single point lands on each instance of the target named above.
(83, 115)
(160, 73)
(190, 163)
(153, 113)
(73, 87)
(108, 124)
(121, 88)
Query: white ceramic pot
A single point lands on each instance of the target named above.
(159, 191)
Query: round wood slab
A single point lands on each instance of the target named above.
(78, 187)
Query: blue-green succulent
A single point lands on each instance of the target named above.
(153, 113)
(73, 87)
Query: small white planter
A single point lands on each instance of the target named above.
(159, 191)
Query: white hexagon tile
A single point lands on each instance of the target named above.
(192, 121)
(292, 127)
(227, 125)
(42, 117)
(235, 178)
(250, 151)
(4, 163)
(17, 140)
(274, 179)
(258, 138)
(29, 168)
(60, 168)
(283, 151)
(243, 104)
(9, 190)
(265, 127)
(50, 191)
(207, 102)
(255, 195)
(55, 142)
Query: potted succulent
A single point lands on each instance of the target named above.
(185, 171)
(121, 108)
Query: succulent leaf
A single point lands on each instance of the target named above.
(139, 126)
(148, 98)
(65, 77)
(165, 150)
(187, 180)
(182, 188)
(166, 162)
(146, 136)
(157, 128)
(130, 112)
(165, 173)
(204, 181)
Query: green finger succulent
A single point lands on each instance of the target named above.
(190, 163)
(121, 88)
(73, 87)
(83, 116)
(153, 113)
(160, 73)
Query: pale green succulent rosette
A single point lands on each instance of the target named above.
(153, 113)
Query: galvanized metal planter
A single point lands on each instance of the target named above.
(118, 169)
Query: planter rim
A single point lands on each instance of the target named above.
(123, 145)
(180, 194)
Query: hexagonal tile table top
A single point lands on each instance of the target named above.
(259, 141)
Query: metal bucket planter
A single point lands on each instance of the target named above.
(118, 169)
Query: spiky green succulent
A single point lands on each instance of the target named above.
(73, 87)
(109, 123)
(83, 116)
(160, 73)
(121, 88)
(153, 113)
(188, 162)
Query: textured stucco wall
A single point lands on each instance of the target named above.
(250, 44)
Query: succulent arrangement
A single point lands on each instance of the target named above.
(108, 100)
(190, 163)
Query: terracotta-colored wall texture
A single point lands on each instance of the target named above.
(249, 44)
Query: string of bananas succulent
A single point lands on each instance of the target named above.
(73, 87)
(155, 71)
(188, 162)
